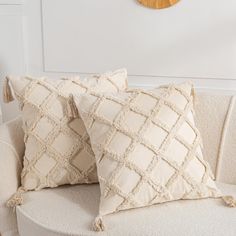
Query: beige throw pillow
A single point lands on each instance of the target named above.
(147, 147)
(57, 148)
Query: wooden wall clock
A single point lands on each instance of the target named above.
(158, 4)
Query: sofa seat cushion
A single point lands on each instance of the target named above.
(70, 210)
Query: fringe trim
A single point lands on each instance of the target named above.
(229, 201)
(98, 224)
(72, 110)
(16, 199)
(7, 92)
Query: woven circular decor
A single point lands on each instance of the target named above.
(158, 4)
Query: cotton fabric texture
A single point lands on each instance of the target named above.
(147, 147)
(57, 148)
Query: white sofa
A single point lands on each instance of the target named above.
(70, 210)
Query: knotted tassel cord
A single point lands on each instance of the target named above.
(17, 198)
(7, 92)
(71, 107)
(98, 224)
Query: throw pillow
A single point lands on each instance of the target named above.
(147, 147)
(57, 148)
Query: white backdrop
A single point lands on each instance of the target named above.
(195, 39)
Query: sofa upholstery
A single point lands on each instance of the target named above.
(70, 210)
(215, 118)
(11, 156)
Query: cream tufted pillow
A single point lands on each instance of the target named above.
(147, 147)
(58, 148)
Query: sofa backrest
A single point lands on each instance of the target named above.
(216, 120)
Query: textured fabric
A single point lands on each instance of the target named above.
(211, 116)
(147, 147)
(58, 150)
(50, 210)
(69, 210)
(11, 155)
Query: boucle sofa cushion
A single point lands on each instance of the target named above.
(215, 118)
(69, 210)
(57, 148)
(147, 147)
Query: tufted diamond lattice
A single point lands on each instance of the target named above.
(147, 147)
(58, 148)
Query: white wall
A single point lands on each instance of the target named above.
(11, 46)
(194, 39)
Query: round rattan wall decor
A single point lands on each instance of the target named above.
(158, 4)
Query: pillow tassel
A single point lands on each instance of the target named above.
(229, 201)
(7, 93)
(98, 224)
(16, 199)
(193, 94)
(71, 107)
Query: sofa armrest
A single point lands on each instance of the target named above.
(11, 156)
(215, 118)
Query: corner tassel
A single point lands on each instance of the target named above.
(16, 199)
(229, 201)
(98, 224)
(7, 93)
(193, 94)
(72, 110)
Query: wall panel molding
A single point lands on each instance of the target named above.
(12, 51)
(149, 43)
(196, 40)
